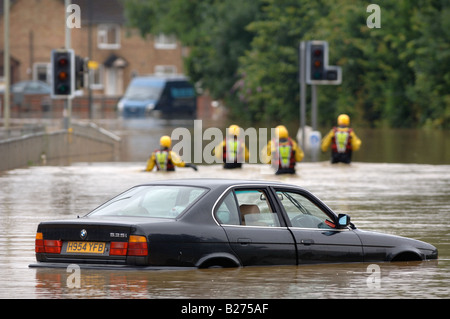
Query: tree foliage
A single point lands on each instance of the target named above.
(246, 52)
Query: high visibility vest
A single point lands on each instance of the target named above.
(342, 140)
(163, 162)
(284, 154)
(233, 152)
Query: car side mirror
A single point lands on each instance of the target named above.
(343, 220)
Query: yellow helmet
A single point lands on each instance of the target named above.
(281, 131)
(343, 120)
(234, 130)
(165, 141)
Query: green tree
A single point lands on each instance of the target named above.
(246, 52)
(431, 90)
(214, 31)
(269, 69)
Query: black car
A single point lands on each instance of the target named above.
(217, 223)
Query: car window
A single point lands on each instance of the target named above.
(162, 201)
(255, 209)
(302, 212)
(227, 213)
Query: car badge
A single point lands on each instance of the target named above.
(83, 234)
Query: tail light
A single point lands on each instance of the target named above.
(39, 243)
(136, 246)
(47, 245)
(118, 248)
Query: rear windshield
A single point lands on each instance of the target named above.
(162, 201)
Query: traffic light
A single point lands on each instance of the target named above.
(317, 52)
(317, 69)
(63, 68)
(80, 70)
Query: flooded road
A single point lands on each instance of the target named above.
(410, 200)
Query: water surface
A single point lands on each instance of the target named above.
(404, 199)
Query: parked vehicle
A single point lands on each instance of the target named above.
(167, 97)
(217, 223)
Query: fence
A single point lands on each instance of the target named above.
(84, 143)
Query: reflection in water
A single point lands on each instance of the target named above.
(409, 200)
(317, 281)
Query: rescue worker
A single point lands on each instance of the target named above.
(232, 150)
(165, 159)
(282, 152)
(343, 141)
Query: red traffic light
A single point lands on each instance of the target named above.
(62, 62)
(317, 52)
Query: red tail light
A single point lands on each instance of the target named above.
(118, 248)
(136, 246)
(46, 245)
(39, 243)
(53, 246)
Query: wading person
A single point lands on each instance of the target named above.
(282, 152)
(232, 150)
(165, 159)
(343, 141)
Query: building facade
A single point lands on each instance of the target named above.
(117, 51)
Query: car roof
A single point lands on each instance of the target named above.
(158, 79)
(217, 182)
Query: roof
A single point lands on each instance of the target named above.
(101, 11)
(216, 182)
(156, 80)
(97, 11)
(115, 61)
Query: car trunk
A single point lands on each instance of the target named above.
(89, 241)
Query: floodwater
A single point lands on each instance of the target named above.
(399, 183)
(404, 199)
(141, 136)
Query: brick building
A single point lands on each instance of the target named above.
(38, 26)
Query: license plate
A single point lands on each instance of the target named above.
(81, 247)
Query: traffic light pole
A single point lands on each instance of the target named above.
(302, 75)
(68, 103)
(314, 70)
(6, 67)
(314, 107)
(302, 78)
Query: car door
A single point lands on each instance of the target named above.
(313, 226)
(255, 231)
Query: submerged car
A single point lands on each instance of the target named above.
(207, 223)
